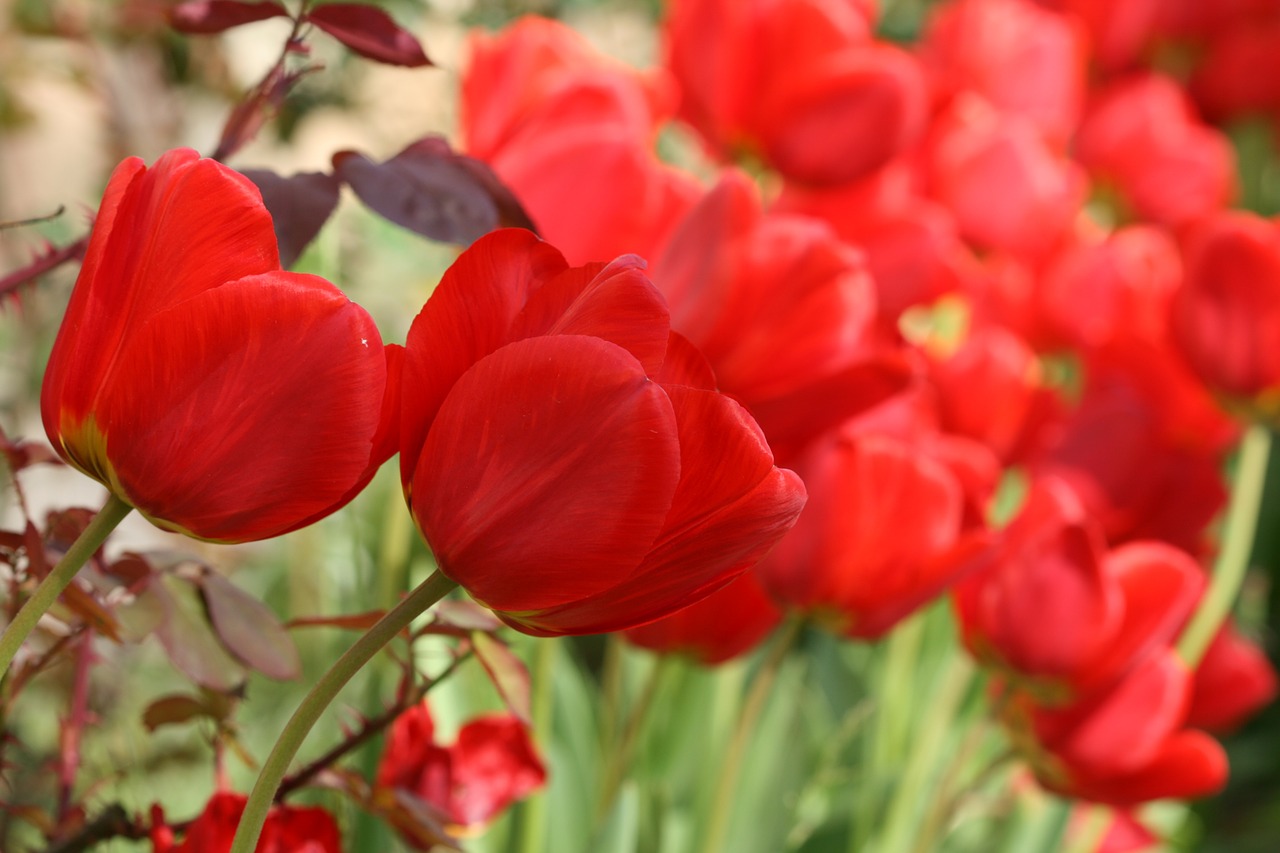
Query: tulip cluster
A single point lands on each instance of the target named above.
(1007, 250)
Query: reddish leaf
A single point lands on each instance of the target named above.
(173, 709)
(90, 611)
(352, 622)
(19, 453)
(248, 628)
(256, 109)
(465, 616)
(370, 32)
(433, 191)
(205, 17)
(508, 672)
(299, 206)
(186, 636)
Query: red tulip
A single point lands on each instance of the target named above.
(799, 84)
(288, 829)
(1227, 314)
(1024, 60)
(1232, 683)
(554, 117)
(874, 541)
(220, 396)
(562, 453)
(491, 765)
(725, 624)
(782, 309)
(1142, 135)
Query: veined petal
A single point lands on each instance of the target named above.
(245, 411)
(548, 472)
(468, 316)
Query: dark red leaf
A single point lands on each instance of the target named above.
(19, 454)
(176, 708)
(248, 628)
(508, 673)
(299, 205)
(433, 191)
(205, 17)
(256, 109)
(370, 32)
(352, 622)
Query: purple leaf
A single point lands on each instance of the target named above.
(249, 629)
(370, 32)
(433, 191)
(299, 205)
(508, 673)
(205, 17)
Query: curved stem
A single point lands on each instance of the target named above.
(107, 519)
(434, 588)
(1237, 546)
(761, 688)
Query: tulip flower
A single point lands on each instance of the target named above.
(564, 455)
(288, 829)
(725, 624)
(219, 395)
(491, 765)
(1232, 683)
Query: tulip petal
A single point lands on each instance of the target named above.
(468, 316)
(731, 507)
(230, 416)
(1190, 764)
(548, 472)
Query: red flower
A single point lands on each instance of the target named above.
(562, 453)
(288, 829)
(490, 766)
(553, 116)
(783, 310)
(1232, 683)
(725, 624)
(220, 396)
(1227, 314)
(800, 84)
(873, 543)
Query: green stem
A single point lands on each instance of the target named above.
(112, 513)
(533, 820)
(434, 588)
(621, 748)
(761, 688)
(1237, 547)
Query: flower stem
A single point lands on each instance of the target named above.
(1237, 546)
(107, 519)
(761, 689)
(434, 588)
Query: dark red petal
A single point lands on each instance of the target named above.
(616, 303)
(548, 472)
(468, 316)
(248, 410)
(370, 32)
(731, 507)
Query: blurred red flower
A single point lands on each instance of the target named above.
(220, 396)
(563, 453)
(288, 829)
(491, 765)
(1233, 682)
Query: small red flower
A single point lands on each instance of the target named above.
(562, 452)
(1233, 682)
(219, 395)
(491, 765)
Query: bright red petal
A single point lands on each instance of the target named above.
(245, 411)
(468, 316)
(494, 765)
(548, 472)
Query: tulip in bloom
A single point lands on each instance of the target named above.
(563, 453)
(289, 829)
(491, 765)
(219, 395)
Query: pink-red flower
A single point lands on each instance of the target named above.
(562, 451)
(490, 765)
(219, 395)
(288, 829)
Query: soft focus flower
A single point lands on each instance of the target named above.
(1232, 683)
(801, 84)
(783, 310)
(491, 765)
(725, 624)
(1142, 136)
(288, 829)
(219, 395)
(562, 452)
(1226, 316)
